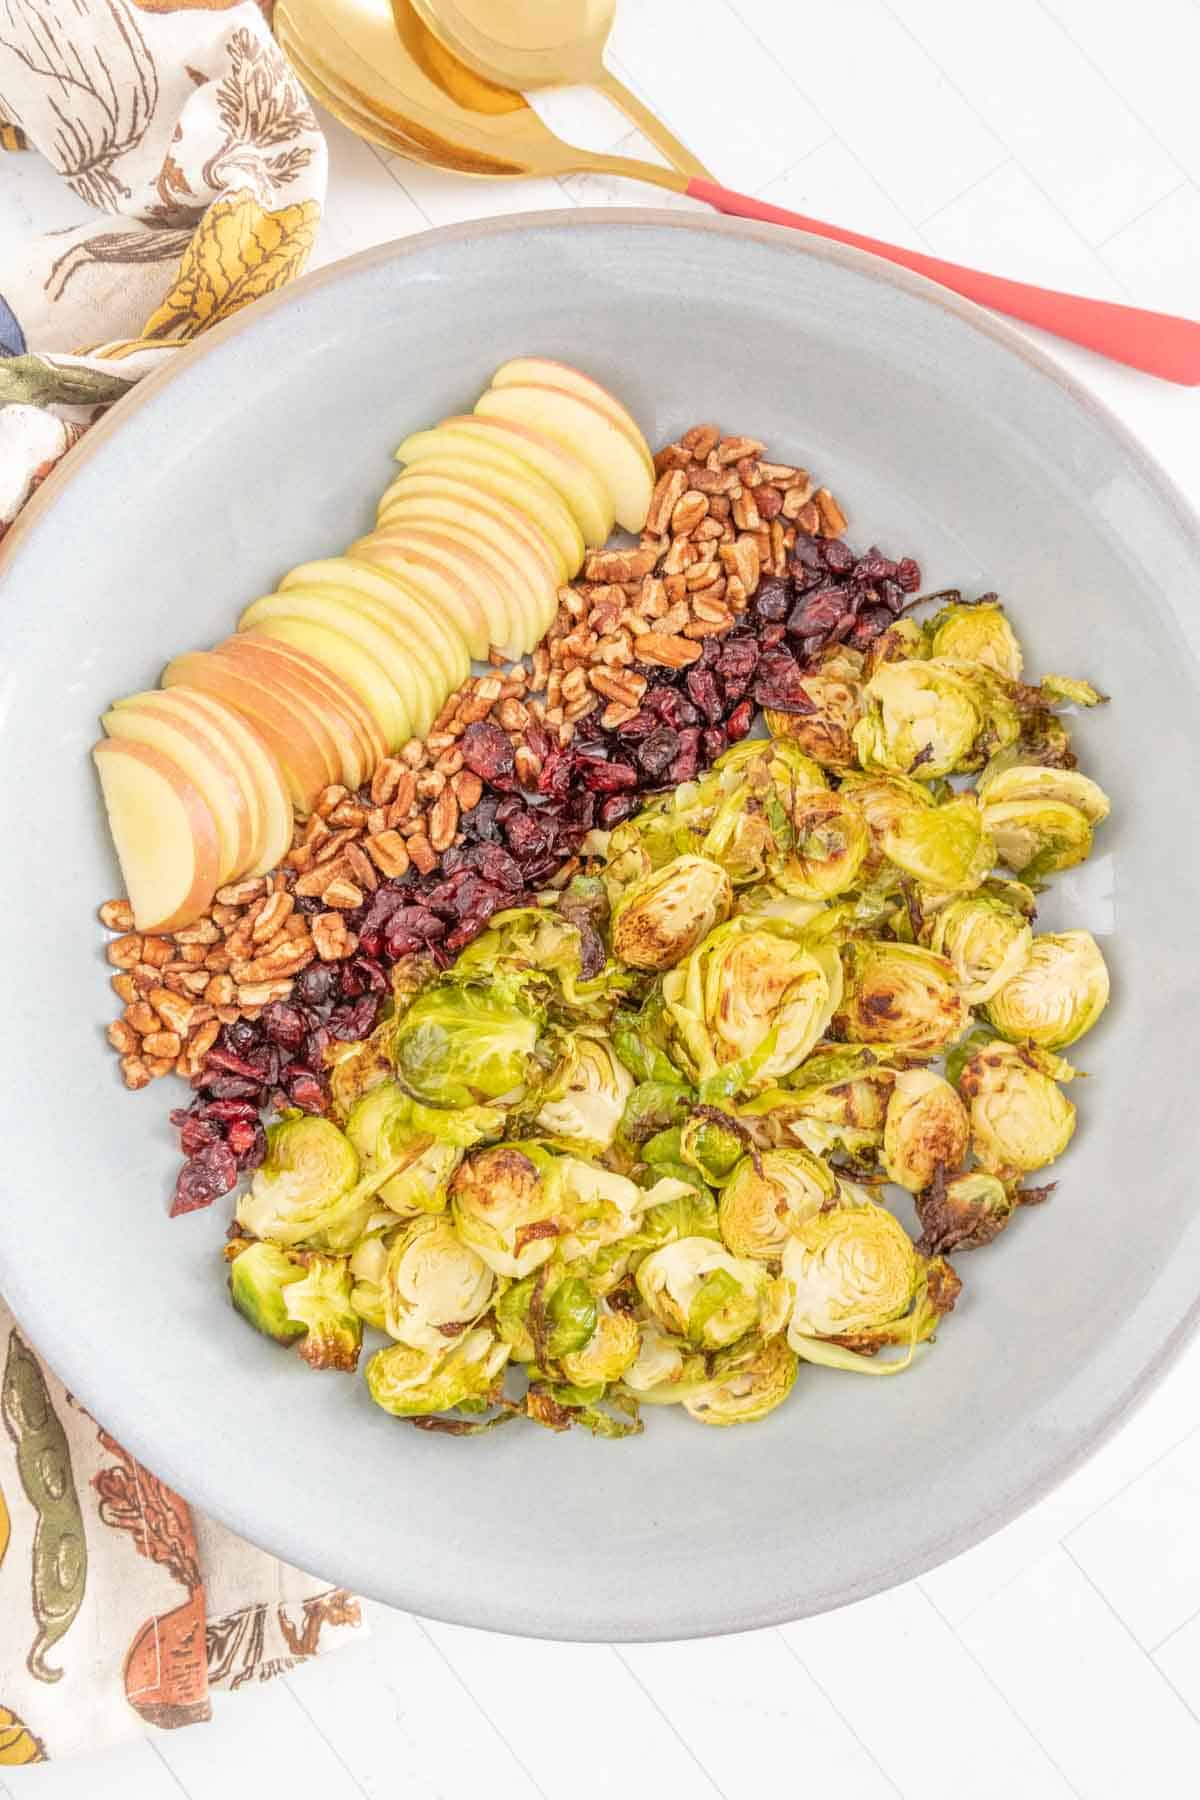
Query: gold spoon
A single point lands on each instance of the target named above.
(379, 62)
(527, 44)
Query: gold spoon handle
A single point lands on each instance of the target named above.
(650, 126)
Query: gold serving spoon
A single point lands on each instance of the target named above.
(528, 44)
(386, 76)
(384, 71)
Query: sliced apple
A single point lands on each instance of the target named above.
(263, 782)
(371, 659)
(385, 588)
(467, 582)
(358, 742)
(299, 743)
(463, 497)
(578, 483)
(206, 766)
(529, 557)
(396, 641)
(587, 431)
(494, 471)
(543, 371)
(163, 832)
(407, 618)
(513, 601)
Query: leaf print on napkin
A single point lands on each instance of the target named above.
(131, 246)
(264, 110)
(238, 253)
(97, 87)
(18, 1746)
(37, 381)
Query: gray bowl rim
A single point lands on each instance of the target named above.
(69, 1357)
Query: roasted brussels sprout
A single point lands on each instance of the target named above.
(410, 1383)
(1020, 1120)
(826, 732)
(320, 1302)
(829, 845)
(458, 1046)
(899, 995)
(596, 1206)
(1060, 688)
(503, 1211)
(434, 1285)
(748, 1382)
(859, 1286)
(416, 1165)
(978, 633)
(1058, 994)
(658, 920)
(945, 848)
(1005, 781)
(605, 1356)
(368, 1263)
(751, 1002)
(969, 1210)
(903, 641)
(926, 1129)
(547, 1315)
(1035, 837)
(585, 1101)
(666, 1370)
(986, 942)
(308, 1190)
(886, 802)
(766, 1196)
(258, 1276)
(697, 1290)
(922, 719)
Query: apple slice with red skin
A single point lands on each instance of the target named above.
(262, 778)
(296, 739)
(543, 371)
(524, 576)
(594, 437)
(358, 741)
(163, 832)
(206, 766)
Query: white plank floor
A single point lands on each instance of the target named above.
(1059, 141)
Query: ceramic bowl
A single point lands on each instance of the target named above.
(947, 437)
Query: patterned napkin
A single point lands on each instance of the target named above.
(119, 1607)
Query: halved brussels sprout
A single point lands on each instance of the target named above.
(979, 634)
(903, 641)
(368, 1262)
(613, 1345)
(838, 1102)
(1058, 994)
(658, 920)
(766, 1196)
(900, 995)
(830, 844)
(926, 1129)
(886, 801)
(434, 1285)
(586, 1099)
(258, 1275)
(531, 956)
(827, 732)
(752, 1001)
(503, 1210)
(409, 1383)
(711, 1142)
(417, 1166)
(1035, 837)
(946, 848)
(547, 1315)
(859, 1286)
(666, 1369)
(321, 1304)
(458, 1046)
(748, 1382)
(1004, 781)
(308, 1190)
(596, 1206)
(970, 1210)
(986, 941)
(1020, 1120)
(697, 1290)
(690, 1211)
(922, 719)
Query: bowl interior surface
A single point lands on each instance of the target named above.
(944, 438)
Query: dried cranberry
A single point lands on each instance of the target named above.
(633, 730)
(308, 904)
(713, 741)
(589, 730)
(836, 555)
(892, 596)
(779, 683)
(462, 934)
(316, 984)
(538, 739)
(203, 1178)
(772, 600)
(602, 777)
(736, 665)
(495, 865)
(871, 623)
(874, 567)
(616, 808)
(703, 690)
(772, 635)
(673, 708)
(411, 929)
(806, 554)
(908, 574)
(239, 1036)
(255, 1152)
(739, 721)
(306, 1090)
(362, 975)
(817, 612)
(316, 1043)
(658, 752)
(228, 1112)
(227, 1087)
(283, 1024)
(197, 1131)
(528, 835)
(687, 761)
(555, 778)
(251, 1068)
(240, 1135)
(486, 750)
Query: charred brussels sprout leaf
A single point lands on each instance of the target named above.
(320, 1302)
(969, 1210)
(503, 1211)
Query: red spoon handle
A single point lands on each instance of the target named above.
(1159, 343)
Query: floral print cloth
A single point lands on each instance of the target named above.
(180, 121)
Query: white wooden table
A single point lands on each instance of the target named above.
(1056, 141)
